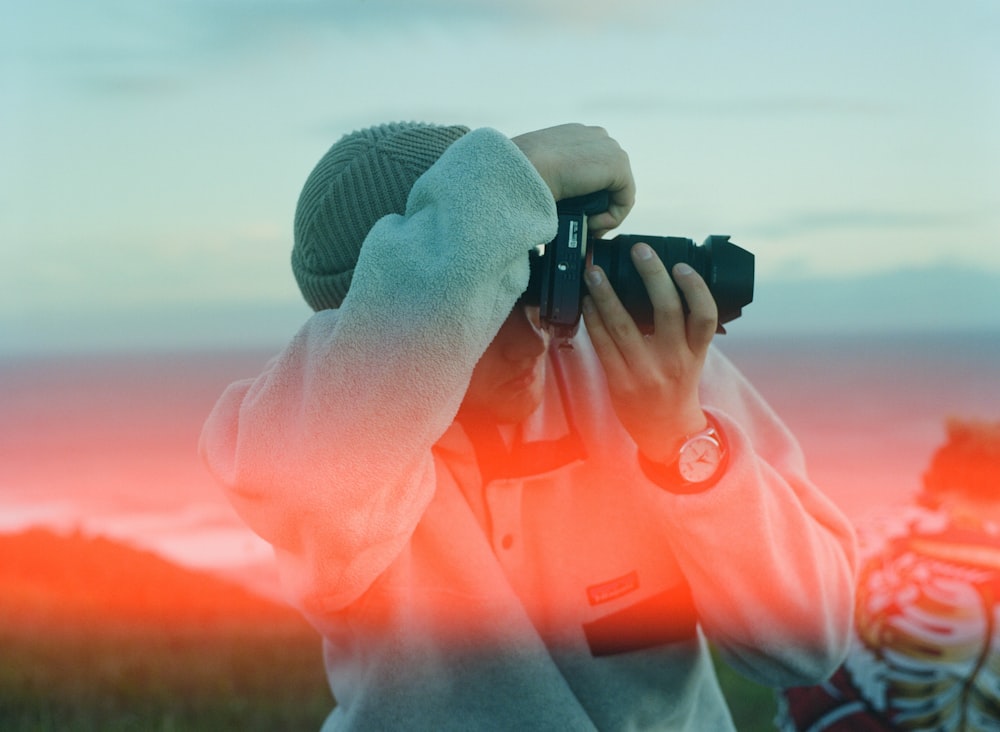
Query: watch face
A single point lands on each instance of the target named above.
(699, 459)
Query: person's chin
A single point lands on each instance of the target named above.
(519, 406)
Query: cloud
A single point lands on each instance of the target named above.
(228, 26)
(160, 46)
(403, 11)
(855, 220)
(131, 83)
(736, 106)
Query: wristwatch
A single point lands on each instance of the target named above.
(700, 462)
(701, 455)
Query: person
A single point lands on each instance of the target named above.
(925, 652)
(492, 533)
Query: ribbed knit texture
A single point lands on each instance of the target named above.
(366, 175)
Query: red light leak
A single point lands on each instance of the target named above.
(86, 440)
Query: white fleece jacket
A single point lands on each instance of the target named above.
(580, 596)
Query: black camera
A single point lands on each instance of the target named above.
(556, 282)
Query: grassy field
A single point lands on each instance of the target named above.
(98, 637)
(752, 705)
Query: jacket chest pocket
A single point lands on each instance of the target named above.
(638, 598)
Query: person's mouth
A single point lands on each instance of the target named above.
(522, 380)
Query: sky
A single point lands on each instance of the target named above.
(151, 154)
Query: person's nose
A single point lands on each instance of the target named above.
(525, 342)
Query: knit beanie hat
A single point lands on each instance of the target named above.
(366, 175)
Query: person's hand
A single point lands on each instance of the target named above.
(653, 379)
(574, 160)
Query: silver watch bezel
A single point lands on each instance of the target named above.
(685, 455)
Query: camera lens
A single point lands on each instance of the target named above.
(727, 269)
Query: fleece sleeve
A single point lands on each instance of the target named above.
(770, 560)
(327, 455)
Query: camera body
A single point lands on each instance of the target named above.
(556, 283)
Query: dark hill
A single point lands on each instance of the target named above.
(95, 635)
(73, 580)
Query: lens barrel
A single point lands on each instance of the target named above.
(727, 269)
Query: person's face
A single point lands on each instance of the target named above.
(508, 382)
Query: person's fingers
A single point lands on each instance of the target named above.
(616, 320)
(604, 345)
(575, 160)
(622, 190)
(703, 318)
(668, 310)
